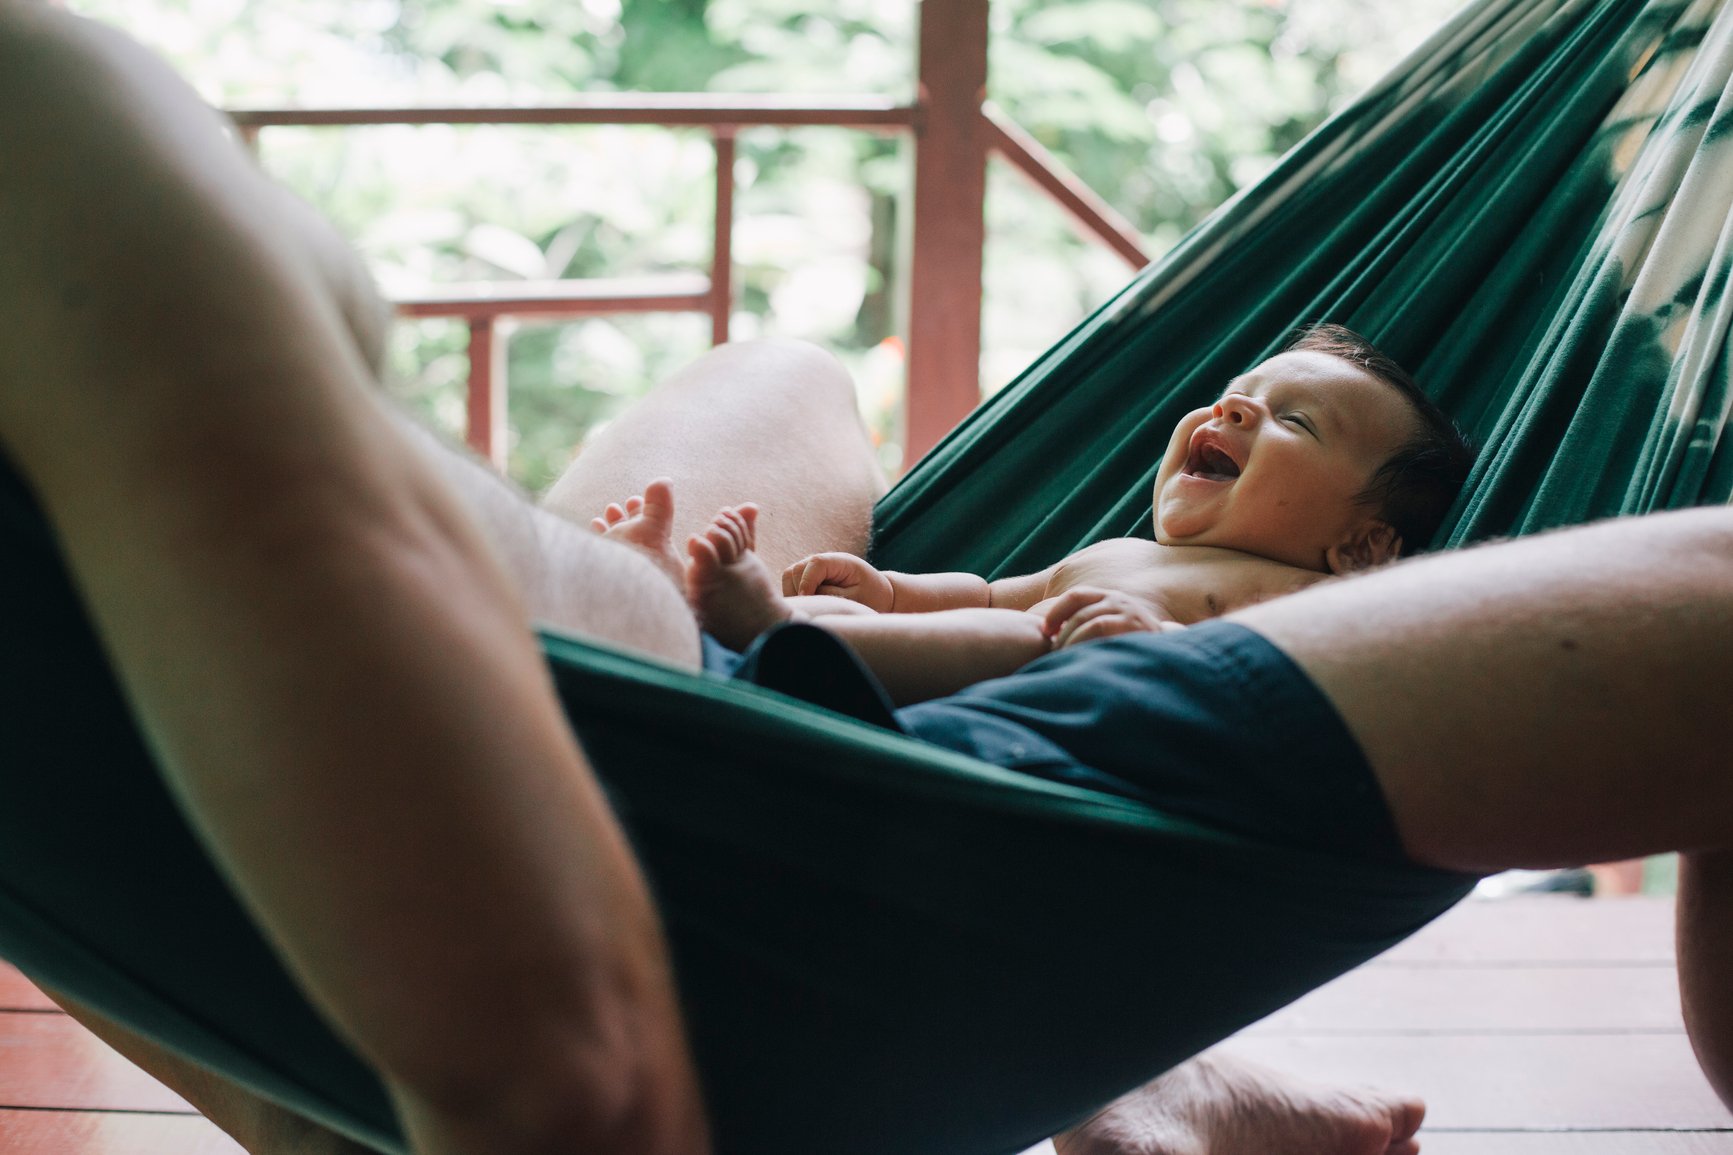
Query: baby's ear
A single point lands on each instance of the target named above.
(1374, 543)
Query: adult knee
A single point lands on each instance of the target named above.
(1700, 539)
(810, 374)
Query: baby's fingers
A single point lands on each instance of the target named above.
(1079, 623)
(795, 576)
(804, 576)
(816, 571)
(1066, 605)
(1106, 625)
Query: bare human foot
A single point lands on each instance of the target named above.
(1220, 1105)
(646, 523)
(730, 589)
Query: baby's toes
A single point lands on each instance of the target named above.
(737, 527)
(722, 541)
(749, 517)
(705, 559)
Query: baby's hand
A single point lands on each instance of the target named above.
(1088, 614)
(841, 575)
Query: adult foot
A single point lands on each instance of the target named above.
(1220, 1105)
(646, 523)
(731, 590)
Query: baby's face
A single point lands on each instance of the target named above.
(1272, 468)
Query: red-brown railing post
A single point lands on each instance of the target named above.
(486, 408)
(953, 136)
(722, 259)
(949, 232)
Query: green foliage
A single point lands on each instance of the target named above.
(1163, 106)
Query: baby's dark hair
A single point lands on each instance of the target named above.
(1416, 487)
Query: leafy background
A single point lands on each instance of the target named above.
(1165, 107)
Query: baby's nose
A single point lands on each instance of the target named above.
(1237, 410)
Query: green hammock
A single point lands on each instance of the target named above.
(884, 947)
(1531, 214)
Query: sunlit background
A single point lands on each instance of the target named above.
(1164, 107)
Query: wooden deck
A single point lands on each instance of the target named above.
(1533, 1026)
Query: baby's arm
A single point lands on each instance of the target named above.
(1088, 613)
(844, 575)
(929, 655)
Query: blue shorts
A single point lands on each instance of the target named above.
(1212, 723)
(805, 662)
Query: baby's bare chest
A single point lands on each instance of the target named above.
(1195, 582)
(1130, 565)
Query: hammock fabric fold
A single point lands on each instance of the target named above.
(1531, 214)
(882, 946)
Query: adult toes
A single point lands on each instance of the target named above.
(1382, 1124)
(1408, 1115)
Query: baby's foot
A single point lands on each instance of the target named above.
(646, 523)
(732, 591)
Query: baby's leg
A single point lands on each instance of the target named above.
(731, 590)
(734, 593)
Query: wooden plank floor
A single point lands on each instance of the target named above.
(65, 1092)
(1532, 1026)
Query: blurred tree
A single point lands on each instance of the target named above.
(1163, 106)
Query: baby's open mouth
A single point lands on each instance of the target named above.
(1211, 463)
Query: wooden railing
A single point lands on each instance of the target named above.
(937, 398)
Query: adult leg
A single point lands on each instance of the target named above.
(772, 422)
(1548, 702)
(311, 630)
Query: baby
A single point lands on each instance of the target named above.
(1323, 460)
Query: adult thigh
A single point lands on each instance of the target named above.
(773, 422)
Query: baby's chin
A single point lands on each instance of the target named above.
(1182, 523)
(1175, 532)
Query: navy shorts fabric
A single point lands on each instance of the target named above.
(808, 663)
(1212, 723)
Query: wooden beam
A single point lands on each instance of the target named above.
(486, 411)
(668, 109)
(666, 293)
(1095, 217)
(722, 254)
(949, 228)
